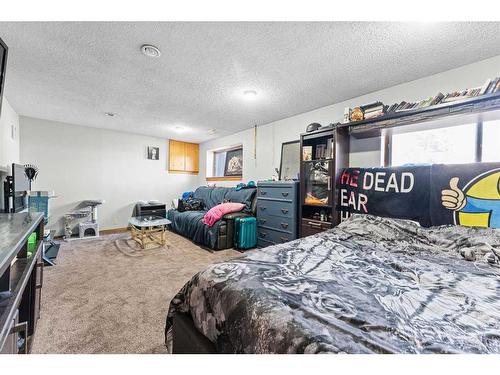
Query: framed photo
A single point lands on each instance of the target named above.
(307, 152)
(153, 153)
(234, 163)
(290, 160)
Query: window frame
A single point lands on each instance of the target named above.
(213, 168)
(387, 144)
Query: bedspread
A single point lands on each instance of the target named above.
(370, 285)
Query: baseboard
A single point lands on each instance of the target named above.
(113, 231)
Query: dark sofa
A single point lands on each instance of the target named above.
(220, 236)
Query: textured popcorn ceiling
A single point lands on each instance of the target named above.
(74, 72)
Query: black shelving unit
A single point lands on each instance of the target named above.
(320, 216)
(484, 107)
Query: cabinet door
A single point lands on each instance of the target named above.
(176, 152)
(191, 157)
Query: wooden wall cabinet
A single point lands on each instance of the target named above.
(183, 157)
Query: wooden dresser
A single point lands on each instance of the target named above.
(21, 278)
(277, 212)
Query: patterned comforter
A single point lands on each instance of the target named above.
(370, 285)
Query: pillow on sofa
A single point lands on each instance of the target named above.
(190, 204)
(216, 213)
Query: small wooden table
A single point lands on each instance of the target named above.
(149, 230)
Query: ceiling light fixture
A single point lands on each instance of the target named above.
(179, 128)
(109, 114)
(250, 94)
(150, 50)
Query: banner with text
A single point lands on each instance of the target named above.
(398, 192)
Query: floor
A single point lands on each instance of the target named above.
(107, 296)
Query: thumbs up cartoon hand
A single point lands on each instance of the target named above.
(453, 198)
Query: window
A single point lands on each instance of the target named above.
(219, 163)
(491, 141)
(455, 144)
(226, 163)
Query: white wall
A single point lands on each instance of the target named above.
(9, 142)
(363, 152)
(81, 163)
(9, 136)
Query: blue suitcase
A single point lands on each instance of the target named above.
(245, 232)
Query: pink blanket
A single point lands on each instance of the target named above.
(216, 213)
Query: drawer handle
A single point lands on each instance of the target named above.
(262, 221)
(317, 225)
(22, 327)
(284, 225)
(262, 208)
(284, 210)
(285, 194)
(283, 239)
(263, 234)
(40, 265)
(263, 192)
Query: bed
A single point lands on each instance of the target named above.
(370, 285)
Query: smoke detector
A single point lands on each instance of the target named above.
(150, 50)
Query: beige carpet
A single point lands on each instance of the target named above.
(107, 296)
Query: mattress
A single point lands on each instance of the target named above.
(370, 285)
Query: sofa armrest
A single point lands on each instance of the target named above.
(234, 215)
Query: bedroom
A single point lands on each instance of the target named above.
(180, 187)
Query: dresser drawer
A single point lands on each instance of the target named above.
(263, 243)
(275, 208)
(310, 227)
(285, 224)
(273, 235)
(278, 192)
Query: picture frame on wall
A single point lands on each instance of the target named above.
(234, 163)
(290, 160)
(153, 153)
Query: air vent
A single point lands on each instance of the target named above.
(150, 51)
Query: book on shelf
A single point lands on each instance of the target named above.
(376, 109)
(321, 151)
(374, 114)
(329, 148)
(497, 87)
(371, 106)
(484, 88)
(437, 99)
(492, 86)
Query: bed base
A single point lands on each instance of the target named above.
(187, 339)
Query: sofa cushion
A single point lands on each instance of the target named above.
(212, 196)
(189, 224)
(244, 196)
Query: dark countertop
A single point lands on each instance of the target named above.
(14, 231)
